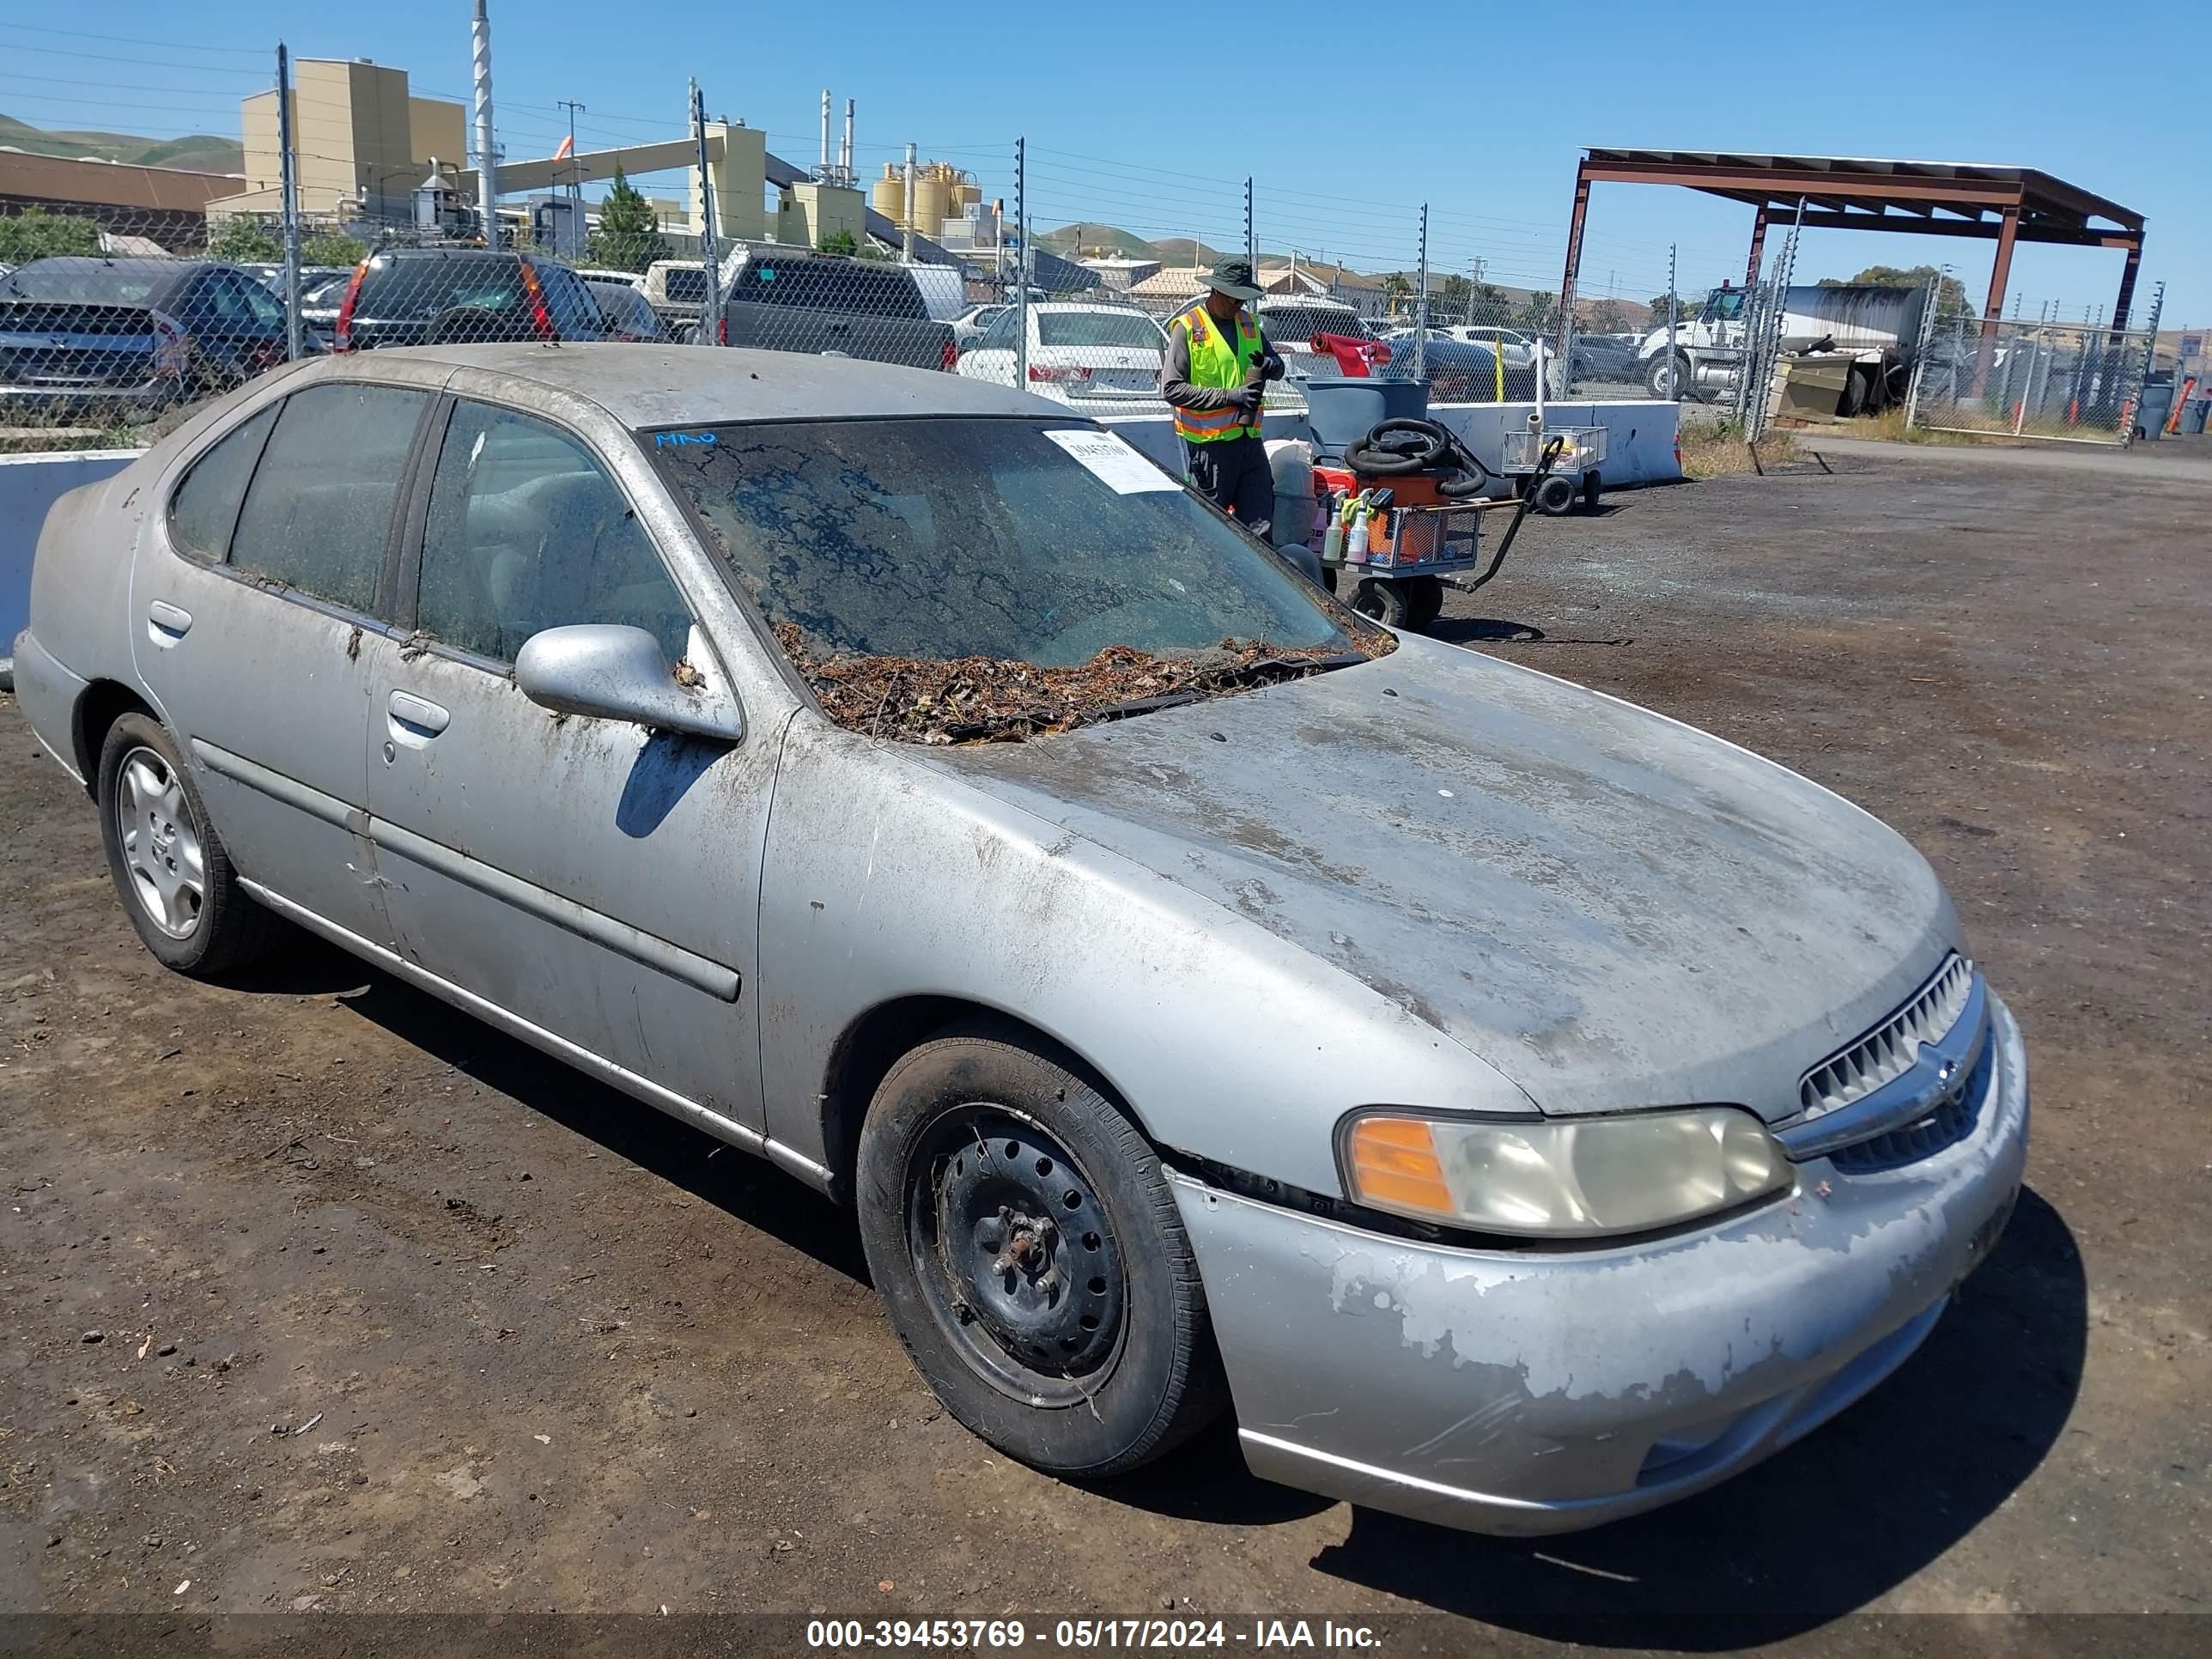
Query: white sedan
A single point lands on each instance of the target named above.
(1076, 352)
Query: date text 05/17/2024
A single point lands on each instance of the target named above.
(1086, 1633)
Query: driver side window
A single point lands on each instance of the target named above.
(999, 337)
(526, 531)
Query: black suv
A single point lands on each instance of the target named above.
(456, 296)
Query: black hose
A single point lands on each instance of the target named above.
(1401, 447)
(1551, 453)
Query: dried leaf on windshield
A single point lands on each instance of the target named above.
(993, 700)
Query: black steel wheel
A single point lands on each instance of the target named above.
(1013, 1249)
(1030, 1256)
(1557, 494)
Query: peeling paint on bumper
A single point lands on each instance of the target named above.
(1522, 1394)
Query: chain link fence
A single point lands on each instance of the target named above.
(2079, 383)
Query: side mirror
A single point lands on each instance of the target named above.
(613, 672)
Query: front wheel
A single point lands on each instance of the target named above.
(1656, 381)
(1027, 1247)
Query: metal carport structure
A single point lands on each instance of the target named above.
(2007, 205)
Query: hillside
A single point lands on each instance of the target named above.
(198, 152)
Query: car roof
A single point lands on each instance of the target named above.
(650, 386)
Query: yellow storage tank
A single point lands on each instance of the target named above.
(932, 200)
(889, 197)
(965, 196)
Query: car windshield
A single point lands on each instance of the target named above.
(1099, 328)
(84, 281)
(408, 289)
(955, 580)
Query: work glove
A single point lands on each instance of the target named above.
(1247, 402)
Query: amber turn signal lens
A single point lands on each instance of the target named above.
(1393, 1161)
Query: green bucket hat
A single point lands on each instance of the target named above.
(1234, 278)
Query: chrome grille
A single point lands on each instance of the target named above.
(1946, 1126)
(1888, 1051)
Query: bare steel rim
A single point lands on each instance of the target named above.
(163, 852)
(1016, 1254)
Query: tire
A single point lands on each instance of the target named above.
(141, 781)
(1556, 496)
(1383, 600)
(1425, 600)
(1073, 1336)
(1654, 381)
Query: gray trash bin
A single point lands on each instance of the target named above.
(1343, 410)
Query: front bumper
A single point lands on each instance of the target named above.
(1519, 1394)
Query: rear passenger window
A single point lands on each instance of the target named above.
(321, 502)
(205, 507)
(526, 531)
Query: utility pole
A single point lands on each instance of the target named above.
(710, 310)
(487, 152)
(575, 179)
(906, 244)
(1251, 240)
(289, 197)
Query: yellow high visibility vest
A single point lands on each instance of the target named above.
(1217, 361)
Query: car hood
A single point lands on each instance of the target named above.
(1612, 909)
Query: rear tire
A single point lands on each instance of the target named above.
(1556, 495)
(1028, 1252)
(169, 868)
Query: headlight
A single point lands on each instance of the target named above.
(1562, 1177)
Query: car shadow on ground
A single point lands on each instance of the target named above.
(746, 1187)
(1818, 1531)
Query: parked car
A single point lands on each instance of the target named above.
(817, 302)
(676, 290)
(319, 302)
(1526, 1109)
(1457, 373)
(1607, 357)
(626, 313)
(1076, 352)
(608, 274)
(1289, 323)
(969, 327)
(104, 339)
(435, 295)
(1517, 348)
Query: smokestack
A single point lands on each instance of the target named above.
(845, 155)
(487, 159)
(906, 241)
(825, 132)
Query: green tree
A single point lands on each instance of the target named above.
(1396, 291)
(1950, 293)
(243, 241)
(35, 234)
(331, 248)
(1540, 310)
(1607, 317)
(629, 237)
(838, 241)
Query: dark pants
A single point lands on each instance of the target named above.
(1232, 473)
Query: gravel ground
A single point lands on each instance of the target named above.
(315, 1295)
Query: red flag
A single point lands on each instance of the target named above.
(567, 149)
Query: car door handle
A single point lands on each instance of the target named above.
(166, 623)
(415, 720)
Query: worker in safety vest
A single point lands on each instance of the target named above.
(1216, 363)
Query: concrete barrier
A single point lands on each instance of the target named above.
(1640, 448)
(29, 485)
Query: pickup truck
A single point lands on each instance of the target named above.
(819, 303)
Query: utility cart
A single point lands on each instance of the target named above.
(1572, 475)
(1399, 579)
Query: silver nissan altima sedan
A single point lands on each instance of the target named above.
(1523, 1109)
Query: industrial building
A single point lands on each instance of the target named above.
(363, 142)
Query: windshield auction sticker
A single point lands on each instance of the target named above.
(1121, 468)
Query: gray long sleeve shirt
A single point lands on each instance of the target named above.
(1175, 372)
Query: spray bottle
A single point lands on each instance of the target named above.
(1356, 546)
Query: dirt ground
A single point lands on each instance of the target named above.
(316, 1295)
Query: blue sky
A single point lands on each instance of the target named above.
(1484, 117)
